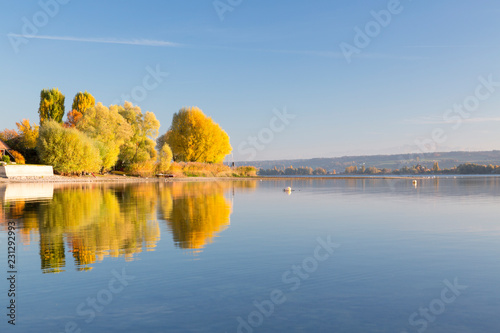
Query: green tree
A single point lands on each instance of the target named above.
(109, 128)
(51, 105)
(140, 147)
(67, 149)
(83, 101)
(194, 137)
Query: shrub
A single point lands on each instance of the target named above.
(246, 171)
(67, 149)
(142, 169)
(197, 169)
(6, 158)
(18, 157)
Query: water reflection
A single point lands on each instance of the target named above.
(196, 212)
(91, 222)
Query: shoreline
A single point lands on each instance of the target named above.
(119, 179)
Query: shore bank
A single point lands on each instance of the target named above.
(110, 179)
(126, 179)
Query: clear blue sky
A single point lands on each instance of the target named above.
(265, 56)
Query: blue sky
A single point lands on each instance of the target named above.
(266, 57)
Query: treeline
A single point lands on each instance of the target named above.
(291, 171)
(462, 169)
(96, 138)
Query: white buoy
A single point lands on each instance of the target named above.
(415, 183)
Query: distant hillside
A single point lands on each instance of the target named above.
(445, 160)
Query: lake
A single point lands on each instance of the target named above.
(333, 255)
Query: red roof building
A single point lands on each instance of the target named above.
(3, 148)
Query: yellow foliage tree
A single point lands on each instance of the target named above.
(194, 137)
(28, 134)
(82, 102)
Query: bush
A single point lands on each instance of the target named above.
(197, 169)
(18, 157)
(6, 158)
(67, 149)
(142, 169)
(246, 171)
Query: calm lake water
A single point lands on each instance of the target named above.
(334, 255)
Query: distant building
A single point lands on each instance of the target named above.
(3, 148)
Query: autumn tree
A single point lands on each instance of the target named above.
(109, 128)
(67, 149)
(83, 101)
(194, 137)
(28, 133)
(51, 105)
(73, 118)
(165, 159)
(435, 167)
(351, 169)
(140, 148)
(319, 172)
(8, 135)
(23, 140)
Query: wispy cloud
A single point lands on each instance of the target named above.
(438, 120)
(450, 46)
(163, 43)
(139, 42)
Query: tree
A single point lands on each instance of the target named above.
(51, 105)
(109, 128)
(165, 159)
(28, 134)
(351, 169)
(194, 137)
(139, 150)
(435, 168)
(8, 135)
(73, 118)
(67, 149)
(319, 171)
(83, 101)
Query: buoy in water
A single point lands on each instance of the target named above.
(415, 183)
(288, 189)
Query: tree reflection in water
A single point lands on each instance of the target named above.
(95, 221)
